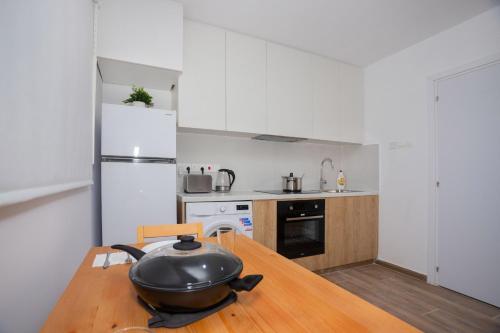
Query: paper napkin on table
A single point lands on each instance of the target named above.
(115, 258)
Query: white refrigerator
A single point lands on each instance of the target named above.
(138, 170)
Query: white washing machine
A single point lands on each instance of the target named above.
(233, 214)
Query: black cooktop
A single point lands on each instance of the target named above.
(285, 192)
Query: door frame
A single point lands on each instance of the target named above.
(432, 106)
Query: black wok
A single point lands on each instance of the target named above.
(187, 276)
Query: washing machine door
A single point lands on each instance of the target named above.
(210, 229)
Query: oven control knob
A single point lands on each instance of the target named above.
(222, 209)
(290, 207)
(316, 206)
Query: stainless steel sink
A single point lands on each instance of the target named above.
(344, 191)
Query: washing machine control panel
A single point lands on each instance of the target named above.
(242, 207)
(231, 208)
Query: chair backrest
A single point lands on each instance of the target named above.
(166, 230)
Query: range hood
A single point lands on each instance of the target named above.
(277, 138)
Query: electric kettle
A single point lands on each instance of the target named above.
(224, 181)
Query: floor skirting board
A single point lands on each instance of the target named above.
(419, 276)
(339, 268)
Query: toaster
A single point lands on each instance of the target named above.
(195, 183)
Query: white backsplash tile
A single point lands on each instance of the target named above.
(260, 164)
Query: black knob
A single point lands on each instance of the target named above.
(186, 238)
(187, 243)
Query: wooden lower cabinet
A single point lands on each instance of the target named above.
(265, 222)
(351, 230)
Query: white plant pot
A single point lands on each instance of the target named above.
(139, 104)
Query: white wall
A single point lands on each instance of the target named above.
(396, 112)
(44, 88)
(43, 241)
(260, 164)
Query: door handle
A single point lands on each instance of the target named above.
(305, 218)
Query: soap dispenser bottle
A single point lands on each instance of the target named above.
(340, 181)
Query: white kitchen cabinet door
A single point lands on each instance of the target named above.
(147, 32)
(202, 85)
(245, 84)
(351, 90)
(326, 107)
(289, 92)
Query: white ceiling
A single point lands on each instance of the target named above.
(355, 31)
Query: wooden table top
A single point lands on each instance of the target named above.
(289, 299)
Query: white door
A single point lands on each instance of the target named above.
(351, 92)
(202, 84)
(468, 165)
(154, 26)
(327, 108)
(137, 132)
(135, 194)
(245, 83)
(289, 92)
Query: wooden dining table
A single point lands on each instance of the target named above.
(290, 298)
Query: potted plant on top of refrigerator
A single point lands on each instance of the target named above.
(139, 97)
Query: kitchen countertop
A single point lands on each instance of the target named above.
(289, 299)
(252, 195)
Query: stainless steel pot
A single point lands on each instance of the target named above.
(291, 183)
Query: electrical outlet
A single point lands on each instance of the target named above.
(182, 168)
(211, 168)
(195, 168)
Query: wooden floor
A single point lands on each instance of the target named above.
(427, 307)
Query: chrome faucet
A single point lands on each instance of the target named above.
(322, 180)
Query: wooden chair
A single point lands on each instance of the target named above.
(166, 230)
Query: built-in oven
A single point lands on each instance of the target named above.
(301, 228)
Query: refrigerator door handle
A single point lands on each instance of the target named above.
(128, 159)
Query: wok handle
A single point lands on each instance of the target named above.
(247, 283)
(136, 253)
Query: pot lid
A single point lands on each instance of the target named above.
(185, 266)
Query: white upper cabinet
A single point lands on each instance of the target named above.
(351, 91)
(326, 107)
(337, 101)
(289, 92)
(202, 85)
(245, 84)
(232, 82)
(146, 32)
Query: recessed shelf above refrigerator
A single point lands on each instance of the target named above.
(127, 73)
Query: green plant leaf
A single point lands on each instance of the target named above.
(139, 95)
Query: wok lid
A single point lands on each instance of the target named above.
(184, 266)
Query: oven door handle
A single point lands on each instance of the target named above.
(304, 218)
